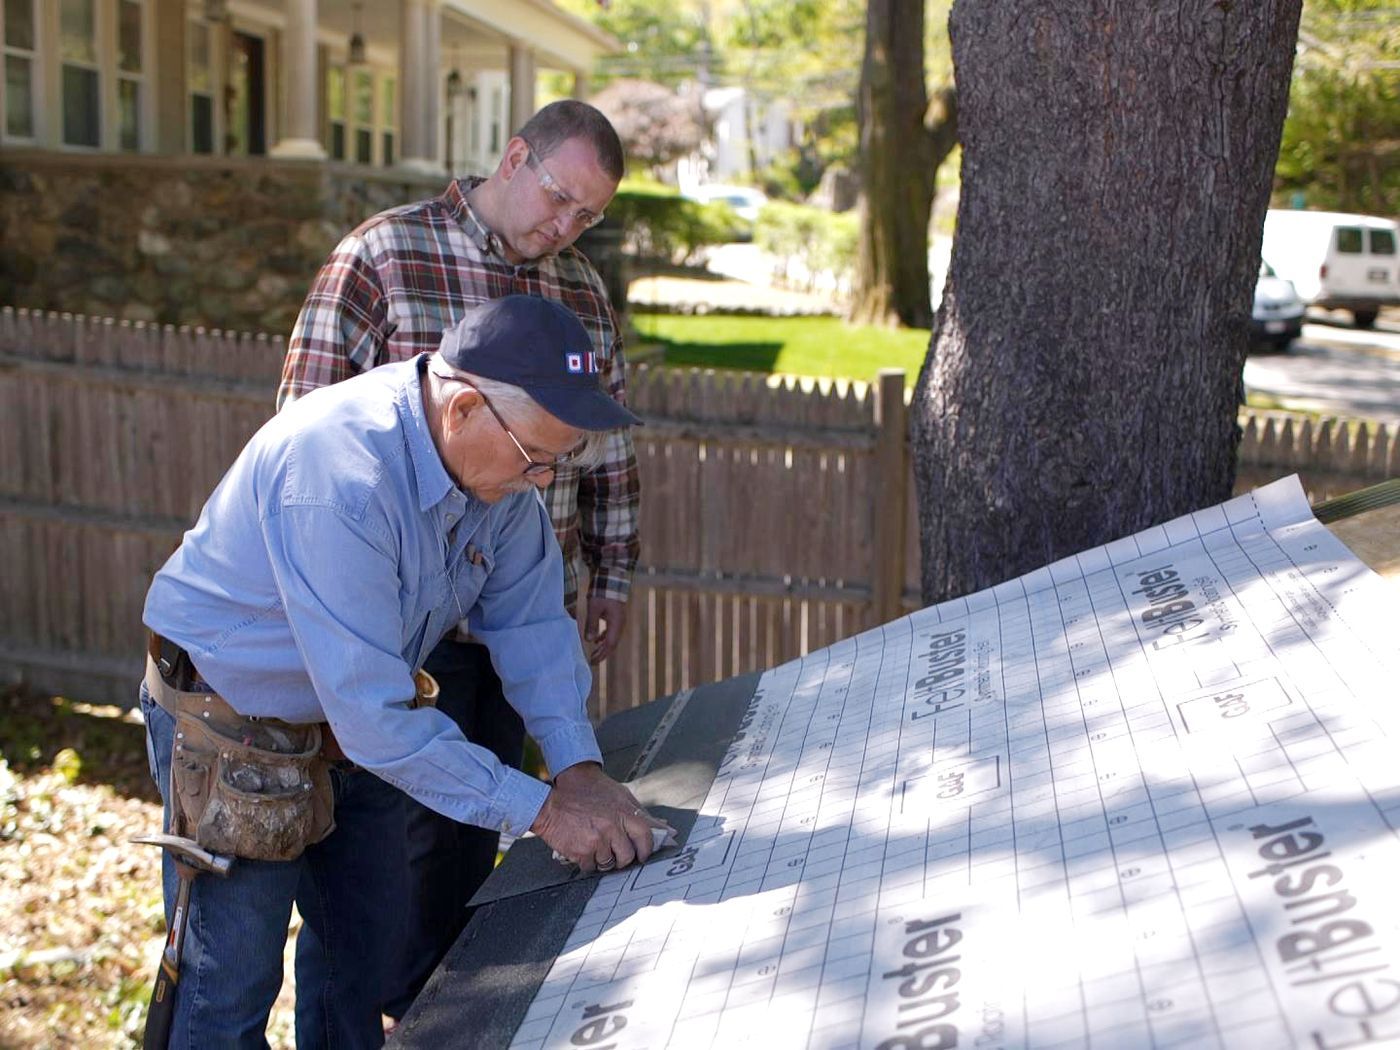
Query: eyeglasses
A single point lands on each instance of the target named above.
(534, 467)
(585, 218)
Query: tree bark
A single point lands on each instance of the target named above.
(902, 142)
(1084, 375)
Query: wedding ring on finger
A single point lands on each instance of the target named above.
(607, 865)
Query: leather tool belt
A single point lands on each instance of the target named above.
(253, 787)
(256, 788)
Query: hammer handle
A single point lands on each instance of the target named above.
(162, 1008)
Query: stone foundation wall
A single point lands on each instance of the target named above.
(222, 243)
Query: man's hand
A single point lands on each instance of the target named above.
(602, 626)
(594, 821)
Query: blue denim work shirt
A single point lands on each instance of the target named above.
(335, 554)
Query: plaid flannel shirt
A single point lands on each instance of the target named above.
(391, 288)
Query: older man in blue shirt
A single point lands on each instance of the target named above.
(355, 529)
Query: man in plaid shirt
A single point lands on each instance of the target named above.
(387, 293)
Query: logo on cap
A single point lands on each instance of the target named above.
(578, 364)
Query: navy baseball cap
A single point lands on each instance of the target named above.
(541, 347)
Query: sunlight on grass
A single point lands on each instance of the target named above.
(804, 346)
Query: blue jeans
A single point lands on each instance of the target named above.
(348, 888)
(448, 861)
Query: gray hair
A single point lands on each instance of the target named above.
(511, 400)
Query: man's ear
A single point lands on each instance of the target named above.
(460, 407)
(513, 159)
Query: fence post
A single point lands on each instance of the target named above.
(890, 509)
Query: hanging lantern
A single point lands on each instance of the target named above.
(357, 40)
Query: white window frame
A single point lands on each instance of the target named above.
(103, 41)
(456, 114)
(36, 78)
(47, 85)
(386, 110)
(337, 69)
(353, 124)
(488, 103)
(216, 87)
(145, 80)
(473, 123)
(497, 133)
(383, 115)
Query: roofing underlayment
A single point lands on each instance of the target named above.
(1143, 797)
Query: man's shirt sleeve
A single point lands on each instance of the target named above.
(609, 502)
(337, 575)
(534, 644)
(342, 325)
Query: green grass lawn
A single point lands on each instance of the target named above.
(803, 346)
(806, 346)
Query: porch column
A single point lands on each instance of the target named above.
(433, 88)
(522, 86)
(300, 138)
(419, 54)
(580, 91)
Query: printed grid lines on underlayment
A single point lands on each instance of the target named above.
(1137, 798)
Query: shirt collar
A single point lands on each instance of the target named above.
(434, 483)
(485, 239)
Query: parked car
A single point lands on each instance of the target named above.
(1278, 310)
(745, 200)
(1336, 260)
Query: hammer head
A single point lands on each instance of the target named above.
(189, 852)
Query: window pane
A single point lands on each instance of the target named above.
(337, 141)
(19, 99)
(335, 94)
(388, 148)
(1382, 242)
(364, 146)
(1349, 239)
(80, 127)
(200, 78)
(77, 32)
(496, 102)
(388, 117)
(202, 123)
(129, 112)
(129, 36)
(19, 24)
(364, 98)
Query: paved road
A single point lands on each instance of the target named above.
(1334, 369)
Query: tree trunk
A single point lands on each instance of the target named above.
(1083, 379)
(899, 156)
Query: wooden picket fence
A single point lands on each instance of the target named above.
(777, 515)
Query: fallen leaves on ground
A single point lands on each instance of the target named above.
(82, 924)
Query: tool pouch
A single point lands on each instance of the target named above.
(253, 788)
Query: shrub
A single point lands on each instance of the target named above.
(662, 226)
(808, 242)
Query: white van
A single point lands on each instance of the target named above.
(1336, 260)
